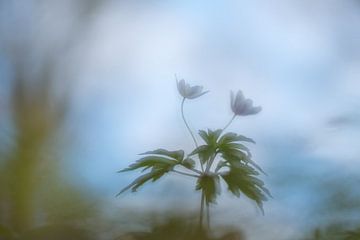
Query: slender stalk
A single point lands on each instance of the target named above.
(208, 167)
(192, 169)
(189, 129)
(186, 174)
(228, 124)
(208, 215)
(210, 162)
(202, 210)
(186, 124)
(196, 171)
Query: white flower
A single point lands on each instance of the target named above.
(241, 106)
(189, 92)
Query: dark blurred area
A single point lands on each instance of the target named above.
(179, 227)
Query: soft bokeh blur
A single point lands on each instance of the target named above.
(87, 85)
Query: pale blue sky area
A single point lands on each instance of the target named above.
(299, 60)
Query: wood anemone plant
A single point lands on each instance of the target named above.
(220, 156)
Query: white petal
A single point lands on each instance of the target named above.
(198, 95)
(255, 110)
(248, 104)
(240, 107)
(247, 107)
(232, 101)
(187, 90)
(181, 87)
(239, 96)
(195, 90)
(252, 110)
(239, 102)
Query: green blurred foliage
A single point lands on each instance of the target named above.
(34, 190)
(179, 228)
(336, 231)
(338, 212)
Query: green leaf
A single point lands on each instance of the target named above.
(244, 168)
(178, 155)
(233, 156)
(220, 165)
(228, 147)
(233, 137)
(256, 166)
(188, 163)
(151, 161)
(210, 137)
(203, 134)
(204, 152)
(235, 152)
(138, 182)
(210, 186)
(160, 162)
(240, 179)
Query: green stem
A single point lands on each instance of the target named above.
(210, 162)
(189, 129)
(228, 124)
(208, 215)
(186, 124)
(186, 174)
(208, 167)
(196, 171)
(202, 210)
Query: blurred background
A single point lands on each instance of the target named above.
(87, 85)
